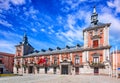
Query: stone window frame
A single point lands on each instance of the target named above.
(77, 59)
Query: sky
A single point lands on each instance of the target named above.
(52, 23)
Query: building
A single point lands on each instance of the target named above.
(91, 58)
(115, 62)
(6, 62)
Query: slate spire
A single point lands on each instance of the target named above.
(94, 17)
(25, 39)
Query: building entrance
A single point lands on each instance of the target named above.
(96, 70)
(1, 70)
(64, 69)
(46, 68)
(54, 70)
(31, 69)
(76, 70)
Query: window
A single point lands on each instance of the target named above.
(95, 43)
(91, 33)
(95, 59)
(18, 54)
(0, 61)
(101, 31)
(96, 32)
(77, 60)
(55, 60)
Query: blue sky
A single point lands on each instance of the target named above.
(52, 23)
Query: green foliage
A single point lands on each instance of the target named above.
(100, 65)
(17, 66)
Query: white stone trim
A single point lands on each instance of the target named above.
(104, 55)
(60, 57)
(71, 56)
(87, 57)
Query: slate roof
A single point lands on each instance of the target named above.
(56, 51)
(98, 25)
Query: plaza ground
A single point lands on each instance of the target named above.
(50, 78)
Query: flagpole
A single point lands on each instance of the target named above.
(116, 63)
(114, 66)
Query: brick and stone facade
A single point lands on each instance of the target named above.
(6, 62)
(115, 62)
(91, 58)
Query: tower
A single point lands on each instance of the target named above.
(96, 40)
(24, 48)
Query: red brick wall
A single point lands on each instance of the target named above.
(8, 61)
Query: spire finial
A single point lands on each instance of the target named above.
(94, 17)
(25, 39)
(94, 9)
(25, 34)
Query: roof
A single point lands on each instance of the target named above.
(98, 25)
(118, 51)
(24, 44)
(56, 51)
(6, 54)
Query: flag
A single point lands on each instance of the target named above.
(41, 61)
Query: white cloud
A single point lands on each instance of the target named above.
(9, 35)
(109, 18)
(43, 30)
(31, 12)
(5, 23)
(18, 2)
(114, 4)
(40, 44)
(34, 30)
(7, 46)
(5, 4)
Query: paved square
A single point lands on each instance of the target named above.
(59, 79)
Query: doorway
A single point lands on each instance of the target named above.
(76, 70)
(1, 70)
(64, 69)
(54, 70)
(46, 68)
(96, 70)
(31, 69)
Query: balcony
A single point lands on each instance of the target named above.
(99, 65)
(78, 65)
(99, 46)
(54, 65)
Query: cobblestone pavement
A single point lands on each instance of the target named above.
(50, 78)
